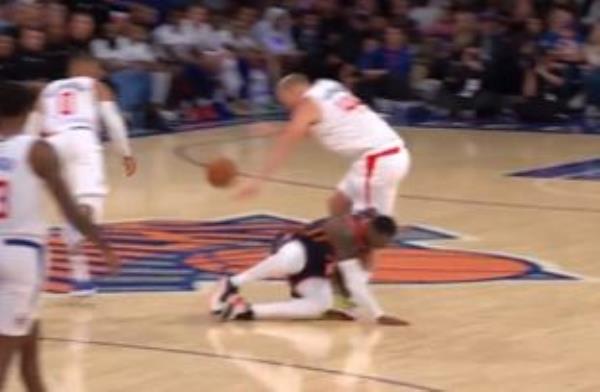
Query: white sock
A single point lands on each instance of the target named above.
(303, 308)
(76, 254)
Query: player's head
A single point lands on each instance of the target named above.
(85, 65)
(291, 89)
(382, 229)
(17, 101)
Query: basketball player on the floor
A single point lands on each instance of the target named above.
(69, 114)
(27, 166)
(344, 125)
(306, 259)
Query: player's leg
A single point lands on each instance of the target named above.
(30, 364)
(9, 346)
(288, 260)
(315, 297)
(87, 180)
(384, 182)
(83, 285)
(21, 278)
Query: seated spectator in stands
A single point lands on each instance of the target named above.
(546, 90)
(397, 63)
(592, 79)
(463, 88)
(465, 31)
(307, 34)
(29, 14)
(400, 17)
(425, 14)
(274, 33)
(57, 47)
(133, 82)
(8, 61)
(82, 28)
(33, 65)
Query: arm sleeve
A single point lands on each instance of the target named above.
(358, 286)
(115, 125)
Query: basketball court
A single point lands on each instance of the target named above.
(497, 273)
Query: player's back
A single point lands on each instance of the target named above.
(347, 125)
(21, 214)
(70, 104)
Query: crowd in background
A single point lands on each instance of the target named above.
(200, 60)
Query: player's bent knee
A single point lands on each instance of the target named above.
(339, 204)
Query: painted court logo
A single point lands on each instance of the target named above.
(175, 255)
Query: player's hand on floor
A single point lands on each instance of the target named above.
(130, 166)
(391, 321)
(249, 189)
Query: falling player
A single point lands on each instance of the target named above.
(69, 113)
(27, 165)
(346, 126)
(306, 259)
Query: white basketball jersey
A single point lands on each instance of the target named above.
(21, 213)
(348, 126)
(70, 104)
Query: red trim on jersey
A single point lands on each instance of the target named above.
(371, 164)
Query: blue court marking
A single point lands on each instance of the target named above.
(262, 361)
(582, 170)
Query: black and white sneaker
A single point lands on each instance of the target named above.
(223, 292)
(237, 308)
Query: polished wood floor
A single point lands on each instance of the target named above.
(499, 336)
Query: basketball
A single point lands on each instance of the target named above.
(221, 172)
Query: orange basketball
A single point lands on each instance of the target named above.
(221, 172)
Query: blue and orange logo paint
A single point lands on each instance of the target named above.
(163, 255)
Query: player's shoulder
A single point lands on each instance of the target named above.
(322, 88)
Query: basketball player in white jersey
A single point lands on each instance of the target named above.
(344, 125)
(27, 166)
(69, 114)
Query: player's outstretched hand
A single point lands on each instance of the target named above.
(112, 261)
(248, 190)
(391, 321)
(130, 166)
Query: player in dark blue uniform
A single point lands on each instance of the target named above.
(308, 259)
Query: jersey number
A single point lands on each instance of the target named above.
(4, 202)
(348, 103)
(66, 103)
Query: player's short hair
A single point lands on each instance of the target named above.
(293, 79)
(384, 225)
(15, 99)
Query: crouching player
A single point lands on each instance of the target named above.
(308, 259)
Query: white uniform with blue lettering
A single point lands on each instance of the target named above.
(71, 122)
(22, 237)
(352, 129)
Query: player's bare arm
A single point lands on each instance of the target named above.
(352, 271)
(117, 129)
(305, 115)
(33, 124)
(45, 163)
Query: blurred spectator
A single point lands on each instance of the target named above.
(274, 33)
(8, 61)
(425, 14)
(33, 65)
(82, 28)
(545, 90)
(463, 88)
(592, 79)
